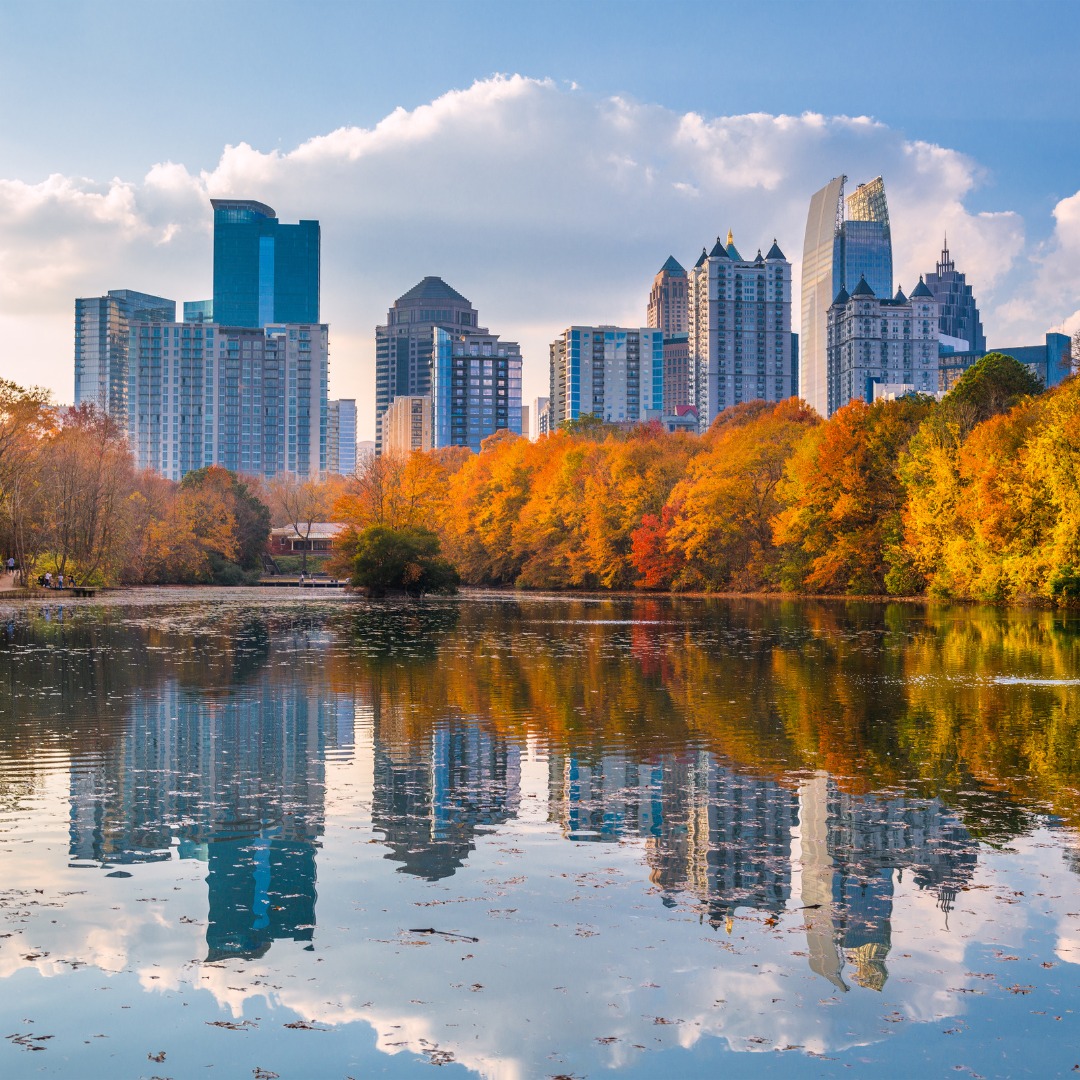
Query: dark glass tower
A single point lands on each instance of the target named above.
(264, 272)
(958, 313)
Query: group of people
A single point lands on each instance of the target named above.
(46, 581)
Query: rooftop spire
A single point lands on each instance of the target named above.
(946, 264)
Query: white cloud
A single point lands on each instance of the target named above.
(541, 203)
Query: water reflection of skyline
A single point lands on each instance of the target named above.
(238, 781)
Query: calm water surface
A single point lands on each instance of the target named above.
(242, 835)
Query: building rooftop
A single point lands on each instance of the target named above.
(921, 290)
(243, 204)
(719, 251)
(672, 266)
(433, 288)
(863, 289)
(775, 252)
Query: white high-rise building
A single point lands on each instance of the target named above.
(341, 436)
(615, 373)
(877, 341)
(252, 400)
(740, 342)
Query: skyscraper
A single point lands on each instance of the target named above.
(740, 345)
(838, 252)
(881, 341)
(958, 313)
(101, 344)
(475, 388)
(251, 399)
(341, 436)
(613, 372)
(264, 272)
(667, 301)
(403, 347)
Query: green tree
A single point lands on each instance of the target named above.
(989, 387)
(252, 522)
(405, 559)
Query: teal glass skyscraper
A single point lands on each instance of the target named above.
(264, 272)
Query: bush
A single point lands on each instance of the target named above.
(405, 560)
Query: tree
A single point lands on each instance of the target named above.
(843, 500)
(992, 385)
(26, 417)
(729, 498)
(250, 515)
(405, 559)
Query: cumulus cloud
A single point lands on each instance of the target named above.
(543, 204)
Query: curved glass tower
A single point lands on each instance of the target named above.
(838, 250)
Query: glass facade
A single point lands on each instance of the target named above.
(101, 345)
(612, 372)
(264, 272)
(252, 400)
(404, 346)
(838, 251)
(198, 311)
(475, 388)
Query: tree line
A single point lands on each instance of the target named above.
(973, 497)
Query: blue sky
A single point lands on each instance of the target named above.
(567, 176)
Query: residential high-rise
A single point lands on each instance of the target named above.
(539, 418)
(838, 251)
(740, 342)
(678, 378)
(403, 347)
(341, 436)
(101, 344)
(475, 387)
(667, 301)
(407, 425)
(201, 311)
(958, 313)
(251, 399)
(877, 340)
(264, 272)
(615, 373)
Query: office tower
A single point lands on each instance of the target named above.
(838, 251)
(264, 272)
(740, 346)
(667, 301)
(251, 399)
(958, 313)
(403, 347)
(878, 341)
(539, 418)
(101, 344)
(407, 425)
(198, 311)
(678, 389)
(341, 436)
(475, 388)
(615, 373)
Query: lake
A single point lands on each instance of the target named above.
(263, 833)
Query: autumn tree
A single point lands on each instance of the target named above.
(843, 500)
(298, 502)
(722, 527)
(992, 385)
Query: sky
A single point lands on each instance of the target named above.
(543, 158)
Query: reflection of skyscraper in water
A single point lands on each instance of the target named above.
(851, 847)
(435, 792)
(237, 782)
(721, 835)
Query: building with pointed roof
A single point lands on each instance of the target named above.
(878, 342)
(740, 345)
(667, 301)
(959, 314)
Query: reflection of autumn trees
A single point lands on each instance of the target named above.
(881, 698)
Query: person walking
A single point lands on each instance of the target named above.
(48, 579)
(59, 581)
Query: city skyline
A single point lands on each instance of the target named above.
(389, 176)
